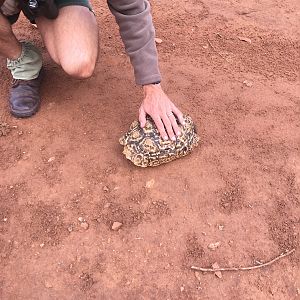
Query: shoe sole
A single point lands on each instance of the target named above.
(25, 114)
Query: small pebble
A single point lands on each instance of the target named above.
(116, 225)
(81, 219)
(214, 246)
(158, 40)
(248, 83)
(48, 285)
(107, 205)
(150, 184)
(198, 276)
(85, 225)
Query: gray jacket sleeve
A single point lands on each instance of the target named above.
(137, 32)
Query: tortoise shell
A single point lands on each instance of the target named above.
(145, 147)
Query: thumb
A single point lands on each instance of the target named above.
(142, 117)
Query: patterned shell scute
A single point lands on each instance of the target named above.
(145, 148)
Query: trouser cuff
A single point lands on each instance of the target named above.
(28, 65)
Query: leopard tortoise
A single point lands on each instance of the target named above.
(145, 148)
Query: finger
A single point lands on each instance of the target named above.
(169, 128)
(178, 114)
(160, 126)
(142, 117)
(174, 124)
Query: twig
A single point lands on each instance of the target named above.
(245, 13)
(244, 268)
(212, 46)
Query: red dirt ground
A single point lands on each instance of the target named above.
(241, 187)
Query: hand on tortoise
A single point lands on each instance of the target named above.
(162, 111)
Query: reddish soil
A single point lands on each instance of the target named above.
(241, 187)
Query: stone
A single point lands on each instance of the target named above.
(116, 226)
(248, 83)
(84, 225)
(48, 285)
(214, 246)
(221, 227)
(150, 184)
(158, 40)
(198, 276)
(107, 205)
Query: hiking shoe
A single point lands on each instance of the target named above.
(24, 98)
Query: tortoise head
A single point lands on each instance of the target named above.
(122, 140)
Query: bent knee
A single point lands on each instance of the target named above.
(82, 68)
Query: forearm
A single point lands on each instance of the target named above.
(137, 32)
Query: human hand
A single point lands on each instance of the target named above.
(162, 110)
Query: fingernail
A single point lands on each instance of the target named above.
(178, 133)
(165, 138)
(173, 138)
